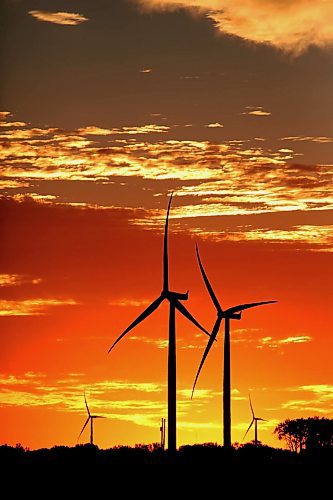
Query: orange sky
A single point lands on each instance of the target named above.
(85, 179)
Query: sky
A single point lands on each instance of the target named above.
(106, 108)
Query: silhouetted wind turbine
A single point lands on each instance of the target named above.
(174, 299)
(255, 422)
(231, 313)
(91, 418)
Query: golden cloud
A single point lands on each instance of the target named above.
(129, 302)
(310, 138)
(214, 179)
(33, 307)
(306, 234)
(214, 125)
(290, 25)
(135, 130)
(65, 18)
(17, 279)
(274, 343)
(34, 389)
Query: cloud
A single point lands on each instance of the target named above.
(308, 138)
(274, 343)
(65, 18)
(214, 125)
(135, 130)
(32, 307)
(17, 279)
(290, 25)
(159, 343)
(25, 379)
(305, 234)
(129, 303)
(66, 395)
(214, 179)
(256, 111)
(12, 124)
(319, 400)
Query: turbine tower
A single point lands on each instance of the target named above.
(162, 430)
(228, 314)
(255, 421)
(91, 419)
(174, 299)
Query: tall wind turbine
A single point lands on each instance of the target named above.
(228, 314)
(255, 421)
(174, 299)
(91, 419)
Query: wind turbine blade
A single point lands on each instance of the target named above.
(251, 406)
(205, 354)
(85, 425)
(182, 309)
(248, 430)
(165, 249)
(206, 280)
(97, 416)
(85, 400)
(150, 309)
(241, 307)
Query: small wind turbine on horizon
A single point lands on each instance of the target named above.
(91, 419)
(255, 421)
(228, 314)
(174, 299)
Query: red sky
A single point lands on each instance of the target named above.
(92, 145)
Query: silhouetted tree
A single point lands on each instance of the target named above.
(307, 433)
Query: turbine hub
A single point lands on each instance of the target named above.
(176, 295)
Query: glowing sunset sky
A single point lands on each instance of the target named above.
(107, 107)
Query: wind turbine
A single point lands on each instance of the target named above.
(91, 419)
(174, 299)
(228, 314)
(255, 421)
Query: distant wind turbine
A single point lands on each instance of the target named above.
(91, 419)
(255, 421)
(174, 299)
(231, 313)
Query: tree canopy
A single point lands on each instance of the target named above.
(306, 433)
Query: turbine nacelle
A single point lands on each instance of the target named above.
(174, 296)
(225, 314)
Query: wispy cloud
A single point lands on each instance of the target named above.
(17, 279)
(321, 139)
(255, 111)
(32, 307)
(307, 234)
(214, 125)
(251, 337)
(274, 343)
(159, 343)
(129, 302)
(135, 130)
(141, 403)
(215, 179)
(293, 26)
(65, 18)
(316, 398)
